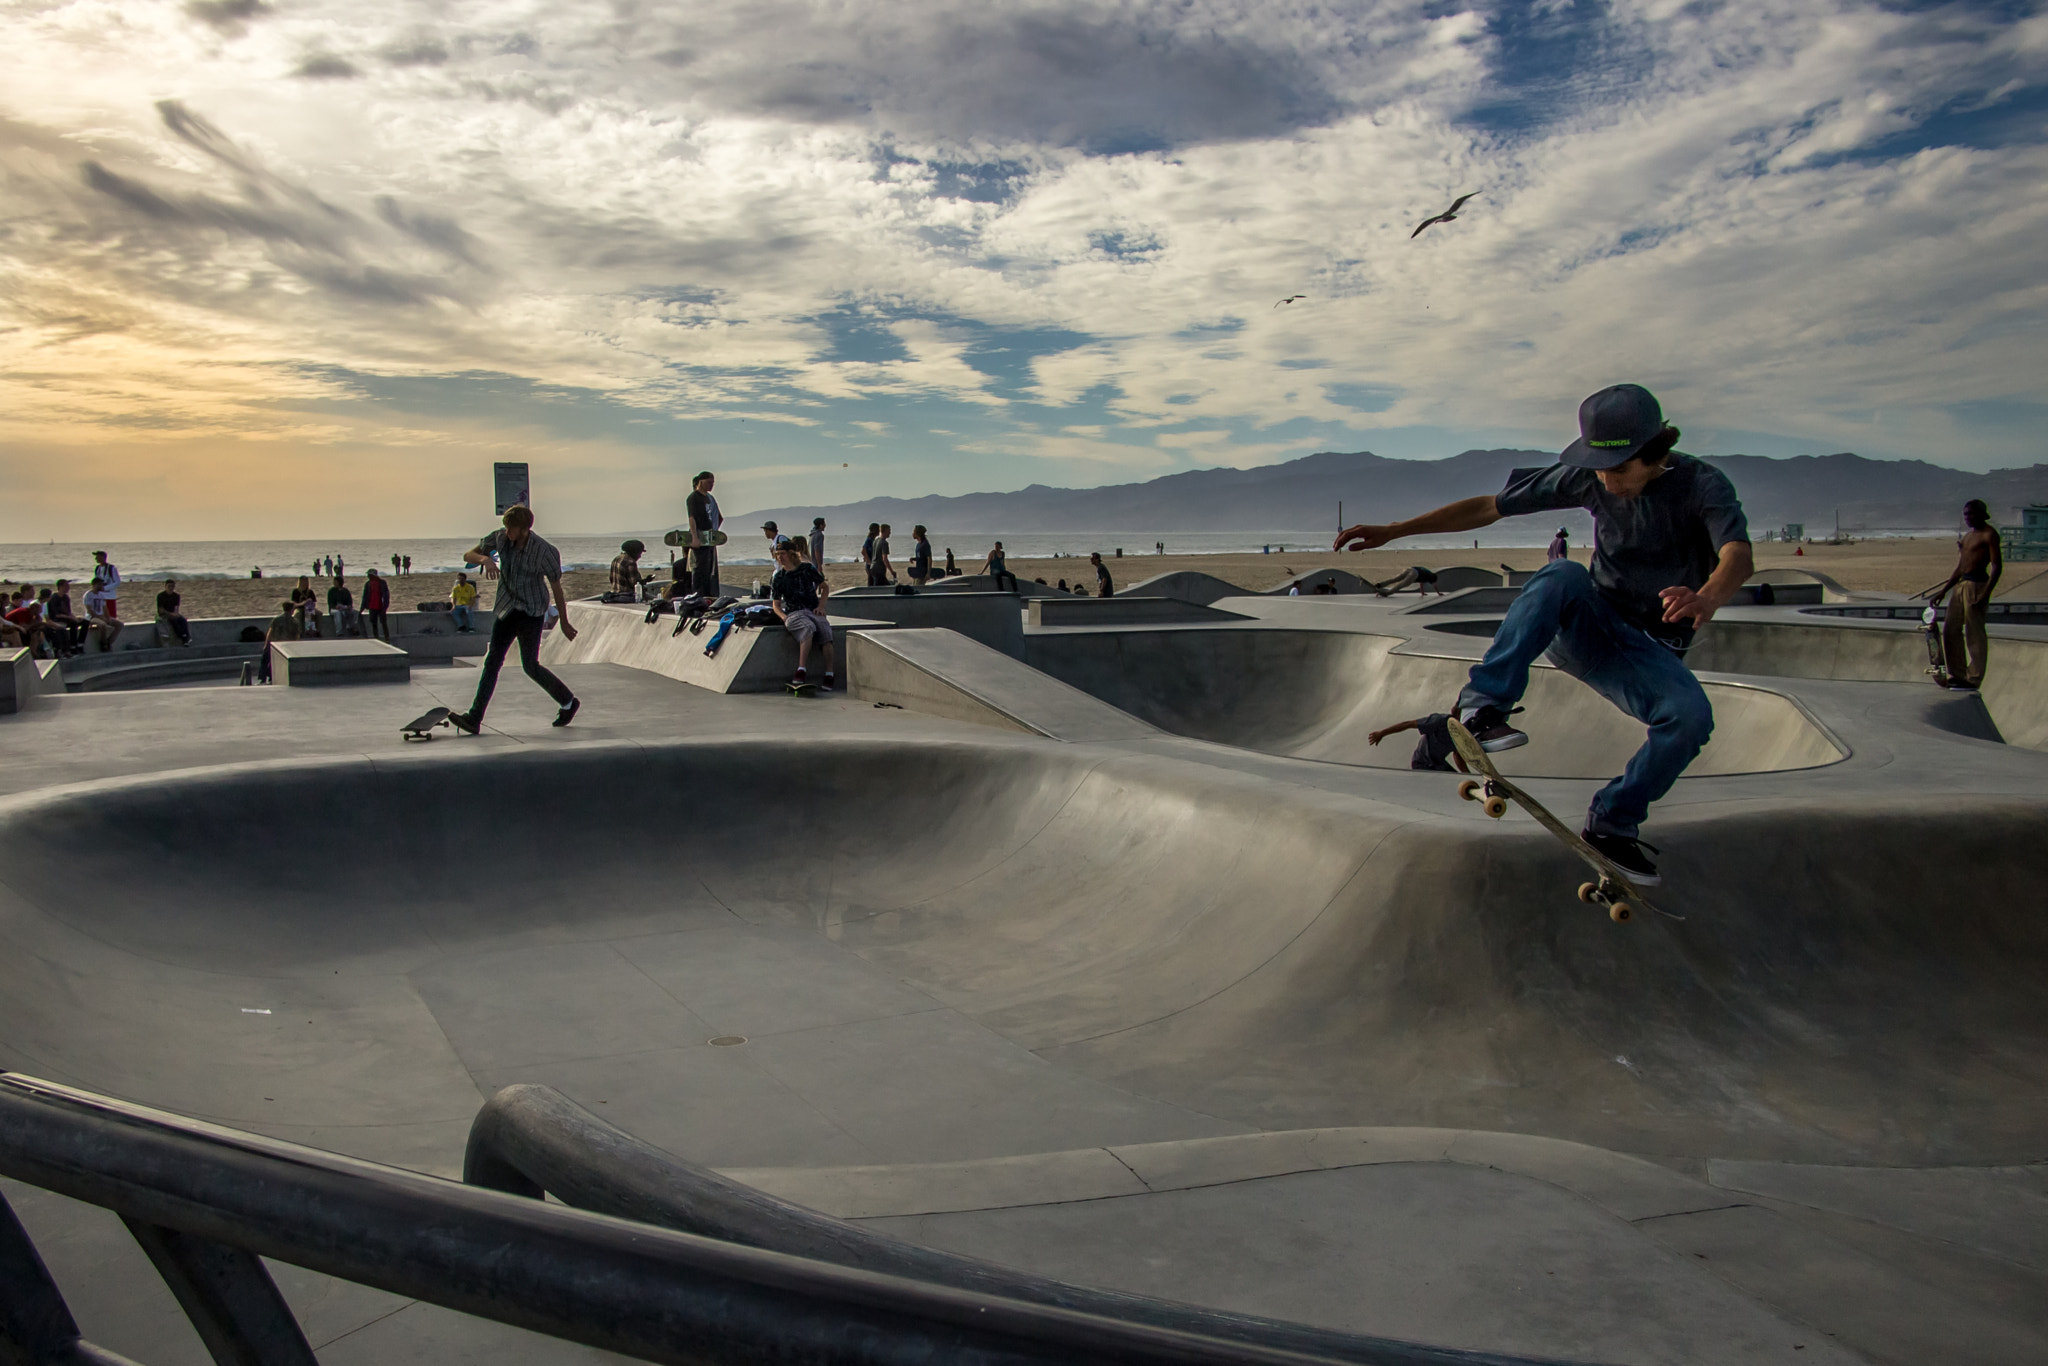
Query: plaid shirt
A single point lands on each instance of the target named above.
(625, 573)
(523, 572)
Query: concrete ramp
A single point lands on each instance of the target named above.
(943, 673)
(1318, 694)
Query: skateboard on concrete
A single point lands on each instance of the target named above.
(801, 689)
(423, 728)
(694, 540)
(1493, 792)
(1937, 657)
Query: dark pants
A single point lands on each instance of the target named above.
(526, 630)
(704, 570)
(999, 575)
(375, 625)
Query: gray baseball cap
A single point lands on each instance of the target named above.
(1614, 426)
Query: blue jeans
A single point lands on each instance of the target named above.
(461, 614)
(1560, 612)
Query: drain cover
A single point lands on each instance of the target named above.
(728, 1040)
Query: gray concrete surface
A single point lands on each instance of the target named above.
(331, 663)
(1807, 1118)
(1126, 609)
(20, 682)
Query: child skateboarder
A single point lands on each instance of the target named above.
(1670, 547)
(798, 593)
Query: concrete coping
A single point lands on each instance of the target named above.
(300, 663)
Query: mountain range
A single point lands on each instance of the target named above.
(1304, 493)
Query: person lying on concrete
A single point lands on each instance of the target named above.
(1414, 576)
(1980, 562)
(528, 570)
(286, 625)
(1433, 750)
(167, 615)
(798, 593)
(1670, 547)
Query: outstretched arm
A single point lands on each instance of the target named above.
(1467, 514)
(1738, 562)
(1376, 736)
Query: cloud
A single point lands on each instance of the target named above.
(1051, 232)
(325, 66)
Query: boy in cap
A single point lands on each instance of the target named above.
(1670, 547)
(626, 575)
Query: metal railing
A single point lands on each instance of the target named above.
(206, 1203)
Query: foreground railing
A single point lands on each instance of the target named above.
(206, 1203)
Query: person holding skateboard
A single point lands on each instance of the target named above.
(1670, 547)
(528, 569)
(798, 593)
(1980, 561)
(704, 519)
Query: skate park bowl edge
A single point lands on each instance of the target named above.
(1317, 695)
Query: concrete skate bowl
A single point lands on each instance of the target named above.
(346, 952)
(2015, 686)
(1318, 694)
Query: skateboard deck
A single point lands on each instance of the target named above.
(423, 728)
(802, 689)
(1612, 889)
(1930, 630)
(694, 540)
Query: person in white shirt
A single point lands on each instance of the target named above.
(106, 579)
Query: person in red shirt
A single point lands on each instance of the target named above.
(376, 602)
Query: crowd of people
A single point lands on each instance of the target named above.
(49, 624)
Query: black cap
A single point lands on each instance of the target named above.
(634, 547)
(769, 526)
(1614, 426)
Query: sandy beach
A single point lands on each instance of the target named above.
(1900, 566)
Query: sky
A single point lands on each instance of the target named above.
(297, 267)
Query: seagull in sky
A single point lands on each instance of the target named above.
(1446, 216)
(1290, 299)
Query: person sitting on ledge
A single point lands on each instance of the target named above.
(167, 614)
(1670, 547)
(798, 593)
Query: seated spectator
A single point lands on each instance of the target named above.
(286, 625)
(67, 631)
(308, 606)
(341, 605)
(21, 621)
(463, 598)
(100, 622)
(167, 615)
(798, 593)
(626, 576)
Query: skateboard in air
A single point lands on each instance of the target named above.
(694, 540)
(796, 689)
(1612, 888)
(423, 728)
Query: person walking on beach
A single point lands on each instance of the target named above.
(1980, 563)
(376, 602)
(528, 571)
(798, 593)
(705, 518)
(394, 564)
(462, 605)
(920, 556)
(817, 544)
(1670, 547)
(407, 560)
(1560, 546)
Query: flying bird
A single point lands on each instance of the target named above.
(1446, 216)
(1290, 299)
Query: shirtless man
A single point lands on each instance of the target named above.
(1980, 560)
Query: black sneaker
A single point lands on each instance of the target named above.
(465, 723)
(1961, 685)
(1489, 726)
(568, 713)
(1626, 854)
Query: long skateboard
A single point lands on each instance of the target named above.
(423, 728)
(694, 540)
(1493, 792)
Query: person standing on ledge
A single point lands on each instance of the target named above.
(1980, 561)
(1103, 587)
(1670, 547)
(705, 518)
(528, 569)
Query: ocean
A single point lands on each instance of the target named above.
(41, 562)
